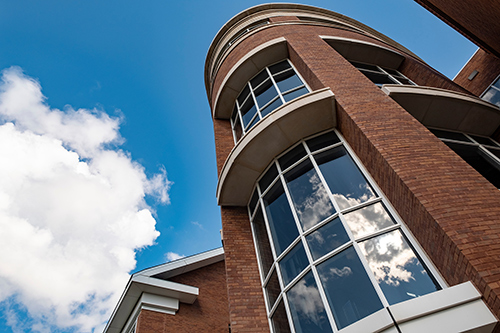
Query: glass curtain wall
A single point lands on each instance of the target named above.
(331, 252)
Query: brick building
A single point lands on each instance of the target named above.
(358, 190)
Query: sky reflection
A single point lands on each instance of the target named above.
(369, 219)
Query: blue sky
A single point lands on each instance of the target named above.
(141, 63)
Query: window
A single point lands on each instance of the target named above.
(482, 153)
(273, 86)
(381, 76)
(492, 94)
(331, 250)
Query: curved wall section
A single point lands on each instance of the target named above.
(306, 115)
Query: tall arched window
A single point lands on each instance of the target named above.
(331, 250)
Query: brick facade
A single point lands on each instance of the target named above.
(488, 68)
(209, 313)
(451, 209)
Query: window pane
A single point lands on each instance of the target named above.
(349, 187)
(287, 80)
(248, 110)
(403, 80)
(263, 246)
(369, 219)
(279, 215)
(495, 152)
(268, 177)
(293, 263)
(307, 309)
(483, 140)
(271, 107)
(281, 66)
(378, 78)
(397, 269)
(280, 320)
(492, 96)
(359, 65)
(254, 200)
(254, 121)
(322, 141)
(449, 135)
(327, 238)
(350, 292)
(238, 131)
(273, 289)
(294, 94)
(261, 77)
(265, 93)
(244, 94)
(310, 198)
(292, 156)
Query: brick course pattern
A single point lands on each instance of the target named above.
(450, 208)
(209, 313)
(488, 68)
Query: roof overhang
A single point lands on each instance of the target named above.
(304, 116)
(446, 109)
(362, 51)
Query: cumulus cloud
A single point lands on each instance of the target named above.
(72, 209)
(171, 256)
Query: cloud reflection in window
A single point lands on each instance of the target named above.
(369, 219)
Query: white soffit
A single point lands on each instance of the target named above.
(251, 64)
(445, 109)
(151, 282)
(306, 115)
(366, 52)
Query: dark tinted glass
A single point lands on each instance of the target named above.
(261, 77)
(271, 107)
(273, 288)
(369, 219)
(348, 186)
(292, 156)
(483, 164)
(348, 288)
(378, 79)
(248, 111)
(254, 121)
(234, 114)
(483, 140)
(244, 94)
(397, 269)
(279, 215)
(309, 196)
(306, 307)
(492, 96)
(281, 66)
(268, 177)
(280, 320)
(265, 93)
(393, 72)
(495, 152)
(237, 129)
(327, 238)
(365, 66)
(287, 80)
(403, 80)
(497, 83)
(293, 263)
(263, 246)
(254, 200)
(449, 135)
(322, 141)
(294, 94)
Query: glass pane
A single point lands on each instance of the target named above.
(248, 111)
(279, 215)
(238, 131)
(253, 201)
(280, 320)
(279, 67)
(359, 65)
(397, 269)
(271, 107)
(393, 72)
(497, 83)
(449, 135)
(367, 220)
(476, 159)
(235, 113)
(327, 238)
(261, 77)
(403, 80)
(349, 187)
(287, 80)
(268, 178)
(254, 121)
(322, 141)
(492, 96)
(265, 93)
(293, 263)
(244, 94)
(263, 246)
(307, 309)
(483, 140)
(292, 156)
(294, 94)
(495, 152)
(309, 196)
(378, 78)
(348, 289)
(273, 289)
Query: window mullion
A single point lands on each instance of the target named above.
(324, 299)
(275, 85)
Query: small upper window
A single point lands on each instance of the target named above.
(381, 76)
(492, 94)
(273, 86)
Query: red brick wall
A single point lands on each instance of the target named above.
(209, 313)
(488, 68)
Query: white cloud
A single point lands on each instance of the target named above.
(171, 256)
(72, 210)
(198, 224)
